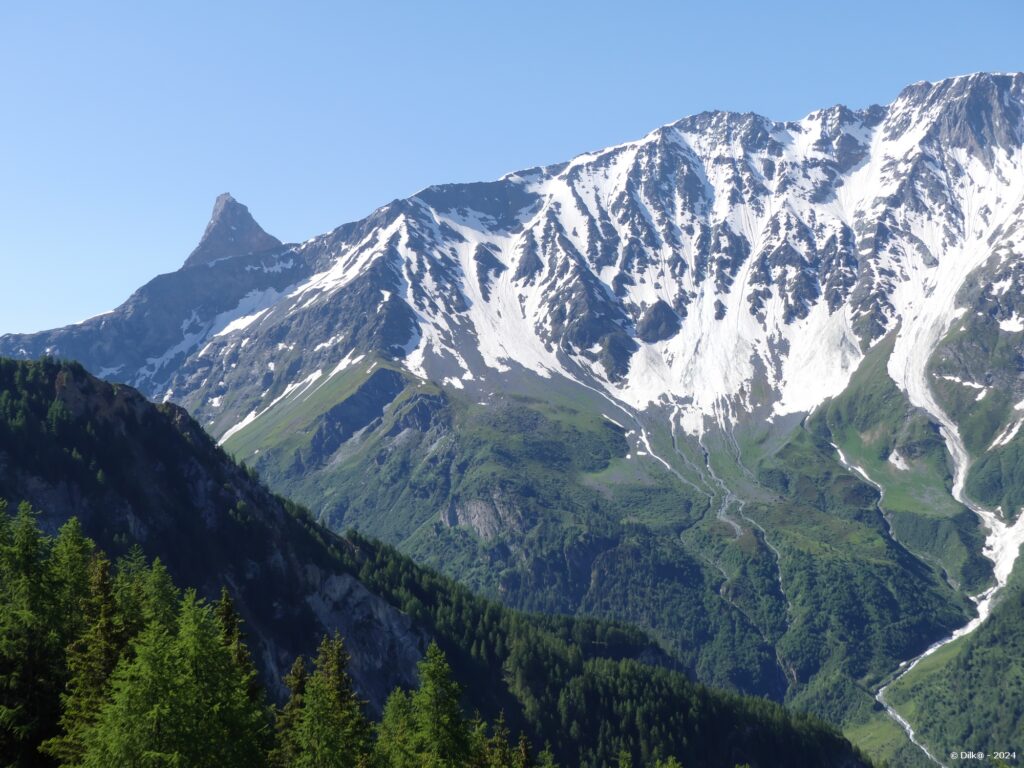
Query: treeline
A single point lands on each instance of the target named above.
(107, 664)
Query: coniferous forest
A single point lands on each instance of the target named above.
(105, 664)
(111, 664)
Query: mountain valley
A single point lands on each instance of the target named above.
(752, 387)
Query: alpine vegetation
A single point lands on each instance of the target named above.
(750, 386)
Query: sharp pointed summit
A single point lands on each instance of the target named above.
(232, 231)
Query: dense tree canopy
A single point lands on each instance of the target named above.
(107, 664)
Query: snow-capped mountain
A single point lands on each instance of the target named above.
(690, 267)
(585, 387)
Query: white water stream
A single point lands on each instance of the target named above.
(1002, 546)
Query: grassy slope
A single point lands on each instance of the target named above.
(972, 691)
(860, 603)
(871, 420)
(135, 471)
(537, 501)
(563, 521)
(970, 694)
(977, 351)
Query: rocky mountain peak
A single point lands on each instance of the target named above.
(232, 231)
(619, 268)
(979, 113)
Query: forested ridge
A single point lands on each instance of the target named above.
(84, 673)
(107, 665)
(572, 678)
(111, 664)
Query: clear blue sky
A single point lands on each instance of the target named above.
(120, 122)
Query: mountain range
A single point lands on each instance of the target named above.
(753, 386)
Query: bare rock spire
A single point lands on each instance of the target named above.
(232, 231)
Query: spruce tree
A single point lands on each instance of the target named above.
(524, 756)
(479, 743)
(234, 639)
(130, 591)
(396, 733)
(160, 596)
(136, 721)
(71, 562)
(5, 522)
(499, 748)
(442, 735)
(32, 670)
(286, 751)
(546, 759)
(92, 659)
(179, 701)
(333, 731)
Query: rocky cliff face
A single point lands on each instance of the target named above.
(683, 268)
(232, 231)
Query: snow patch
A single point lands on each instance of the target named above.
(1014, 324)
(1004, 437)
(346, 362)
(256, 303)
(249, 419)
(898, 461)
(106, 373)
(957, 380)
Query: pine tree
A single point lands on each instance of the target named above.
(286, 752)
(92, 659)
(332, 732)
